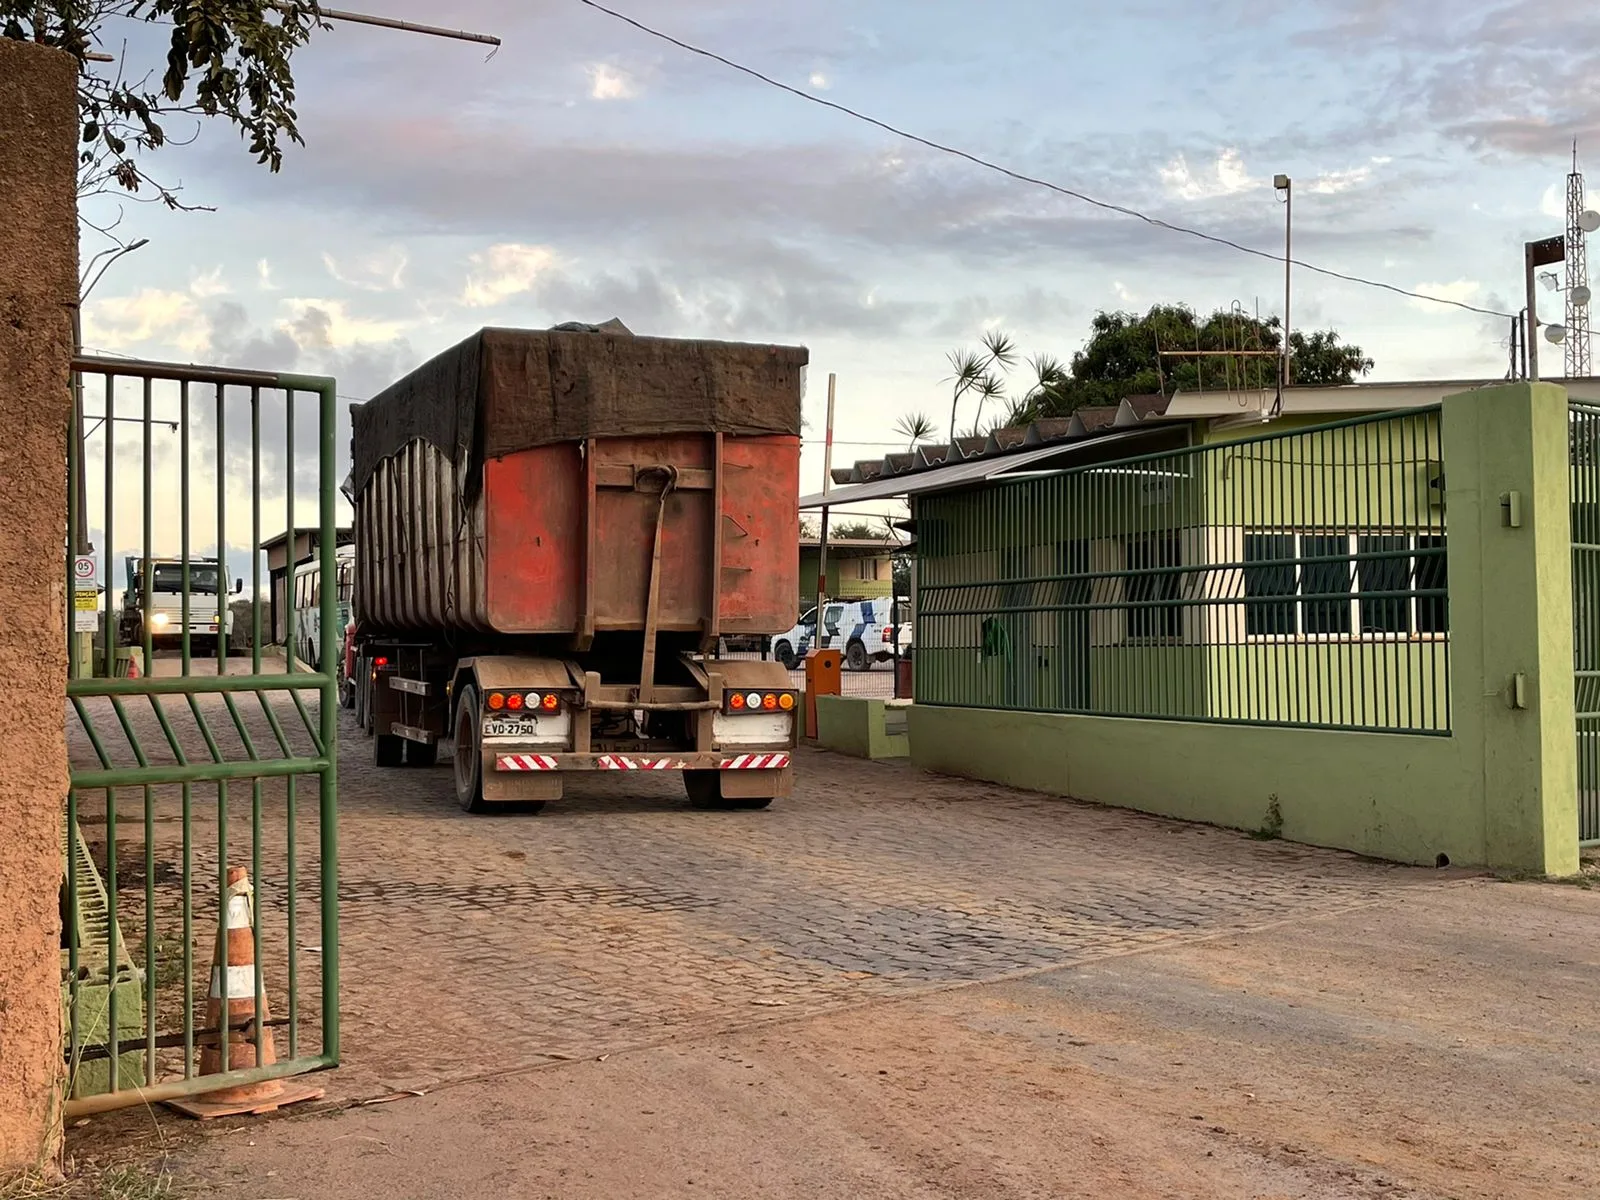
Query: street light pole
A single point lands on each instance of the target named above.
(80, 532)
(1286, 185)
(1530, 337)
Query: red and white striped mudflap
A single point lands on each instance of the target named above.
(524, 762)
(625, 762)
(754, 762)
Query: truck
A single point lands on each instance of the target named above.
(554, 530)
(209, 615)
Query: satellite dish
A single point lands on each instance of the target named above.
(1589, 220)
(1555, 334)
(1581, 296)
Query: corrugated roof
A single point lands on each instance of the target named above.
(972, 471)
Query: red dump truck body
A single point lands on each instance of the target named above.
(553, 530)
(561, 538)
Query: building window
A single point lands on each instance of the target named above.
(1154, 613)
(867, 568)
(1321, 585)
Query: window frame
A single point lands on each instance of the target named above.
(1357, 632)
(1170, 613)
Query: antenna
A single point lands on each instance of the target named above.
(1579, 364)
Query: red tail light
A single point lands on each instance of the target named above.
(514, 701)
(380, 661)
(551, 702)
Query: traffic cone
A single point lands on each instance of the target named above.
(245, 1008)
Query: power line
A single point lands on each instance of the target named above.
(988, 165)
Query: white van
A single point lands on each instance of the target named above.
(863, 629)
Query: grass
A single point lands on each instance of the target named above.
(125, 1181)
(1272, 827)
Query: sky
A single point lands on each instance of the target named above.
(587, 171)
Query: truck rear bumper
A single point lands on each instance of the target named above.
(744, 760)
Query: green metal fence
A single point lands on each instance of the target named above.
(1584, 425)
(201, 762)
(1293, 578)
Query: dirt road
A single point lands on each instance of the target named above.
(1441, 1045)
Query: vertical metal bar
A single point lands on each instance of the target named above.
(292, 899)
(74, 974)
(147, 584)
(259, 985)
(292, 545)
(221, 980)
(183, 503)
(113, 937)
(75, 526)
(223, 574)
(255, 530)
(110, 506)
(327, 814)
(188, 931)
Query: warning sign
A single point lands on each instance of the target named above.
(86, 621)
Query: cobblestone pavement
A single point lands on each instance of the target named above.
(621, 917)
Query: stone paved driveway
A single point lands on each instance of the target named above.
(620, 917)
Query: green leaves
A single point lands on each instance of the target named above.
(225, 58)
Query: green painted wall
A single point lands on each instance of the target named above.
(1392, 796)
(860, 727)
(842, 583)
(1501, 790)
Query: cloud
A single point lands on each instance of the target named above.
(383, 271)
(1225, 177)
(209, 284)
(327, 324)
(1553, 203)
(607, 82)
(150, 315)
(1463, 291)
(264, 275)
(820, 81)
(1334, 182)
(504, 270)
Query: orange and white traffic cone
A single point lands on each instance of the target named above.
(245, 1009)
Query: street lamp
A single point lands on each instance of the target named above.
(1285, 189)
(80, 534)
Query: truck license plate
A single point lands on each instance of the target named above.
(507, 727)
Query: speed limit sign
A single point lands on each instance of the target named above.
(85, 572)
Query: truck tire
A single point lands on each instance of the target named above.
(347, 693)
(468, 758)
(705, 791)
(784, 653)
(855, 656)
(388, 750)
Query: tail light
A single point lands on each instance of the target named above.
(380, 661)
(550, 703)
(756, 702)
(497, 701)
(514, 701)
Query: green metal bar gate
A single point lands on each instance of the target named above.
(147, 752)
(1584, 457)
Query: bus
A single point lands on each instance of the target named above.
(307, 600)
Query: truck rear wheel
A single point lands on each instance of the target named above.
(469, 758)
(784, 653)
(387, 750)
(705, 791)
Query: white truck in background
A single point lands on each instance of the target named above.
(165, 614)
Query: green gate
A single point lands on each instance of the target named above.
(1584, 455)
(191, 755)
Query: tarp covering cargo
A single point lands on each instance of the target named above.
(504, 390)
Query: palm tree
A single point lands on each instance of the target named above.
(972, 368)
(914, 427)
(988, 388)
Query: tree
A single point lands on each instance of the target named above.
(863, 530)
(225, 58)
(973, 372)
(1132, 355)
(914, 427)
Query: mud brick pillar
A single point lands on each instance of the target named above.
(38, 288)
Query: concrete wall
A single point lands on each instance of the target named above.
(862, 727)
(1499, 791)
(38, 289)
